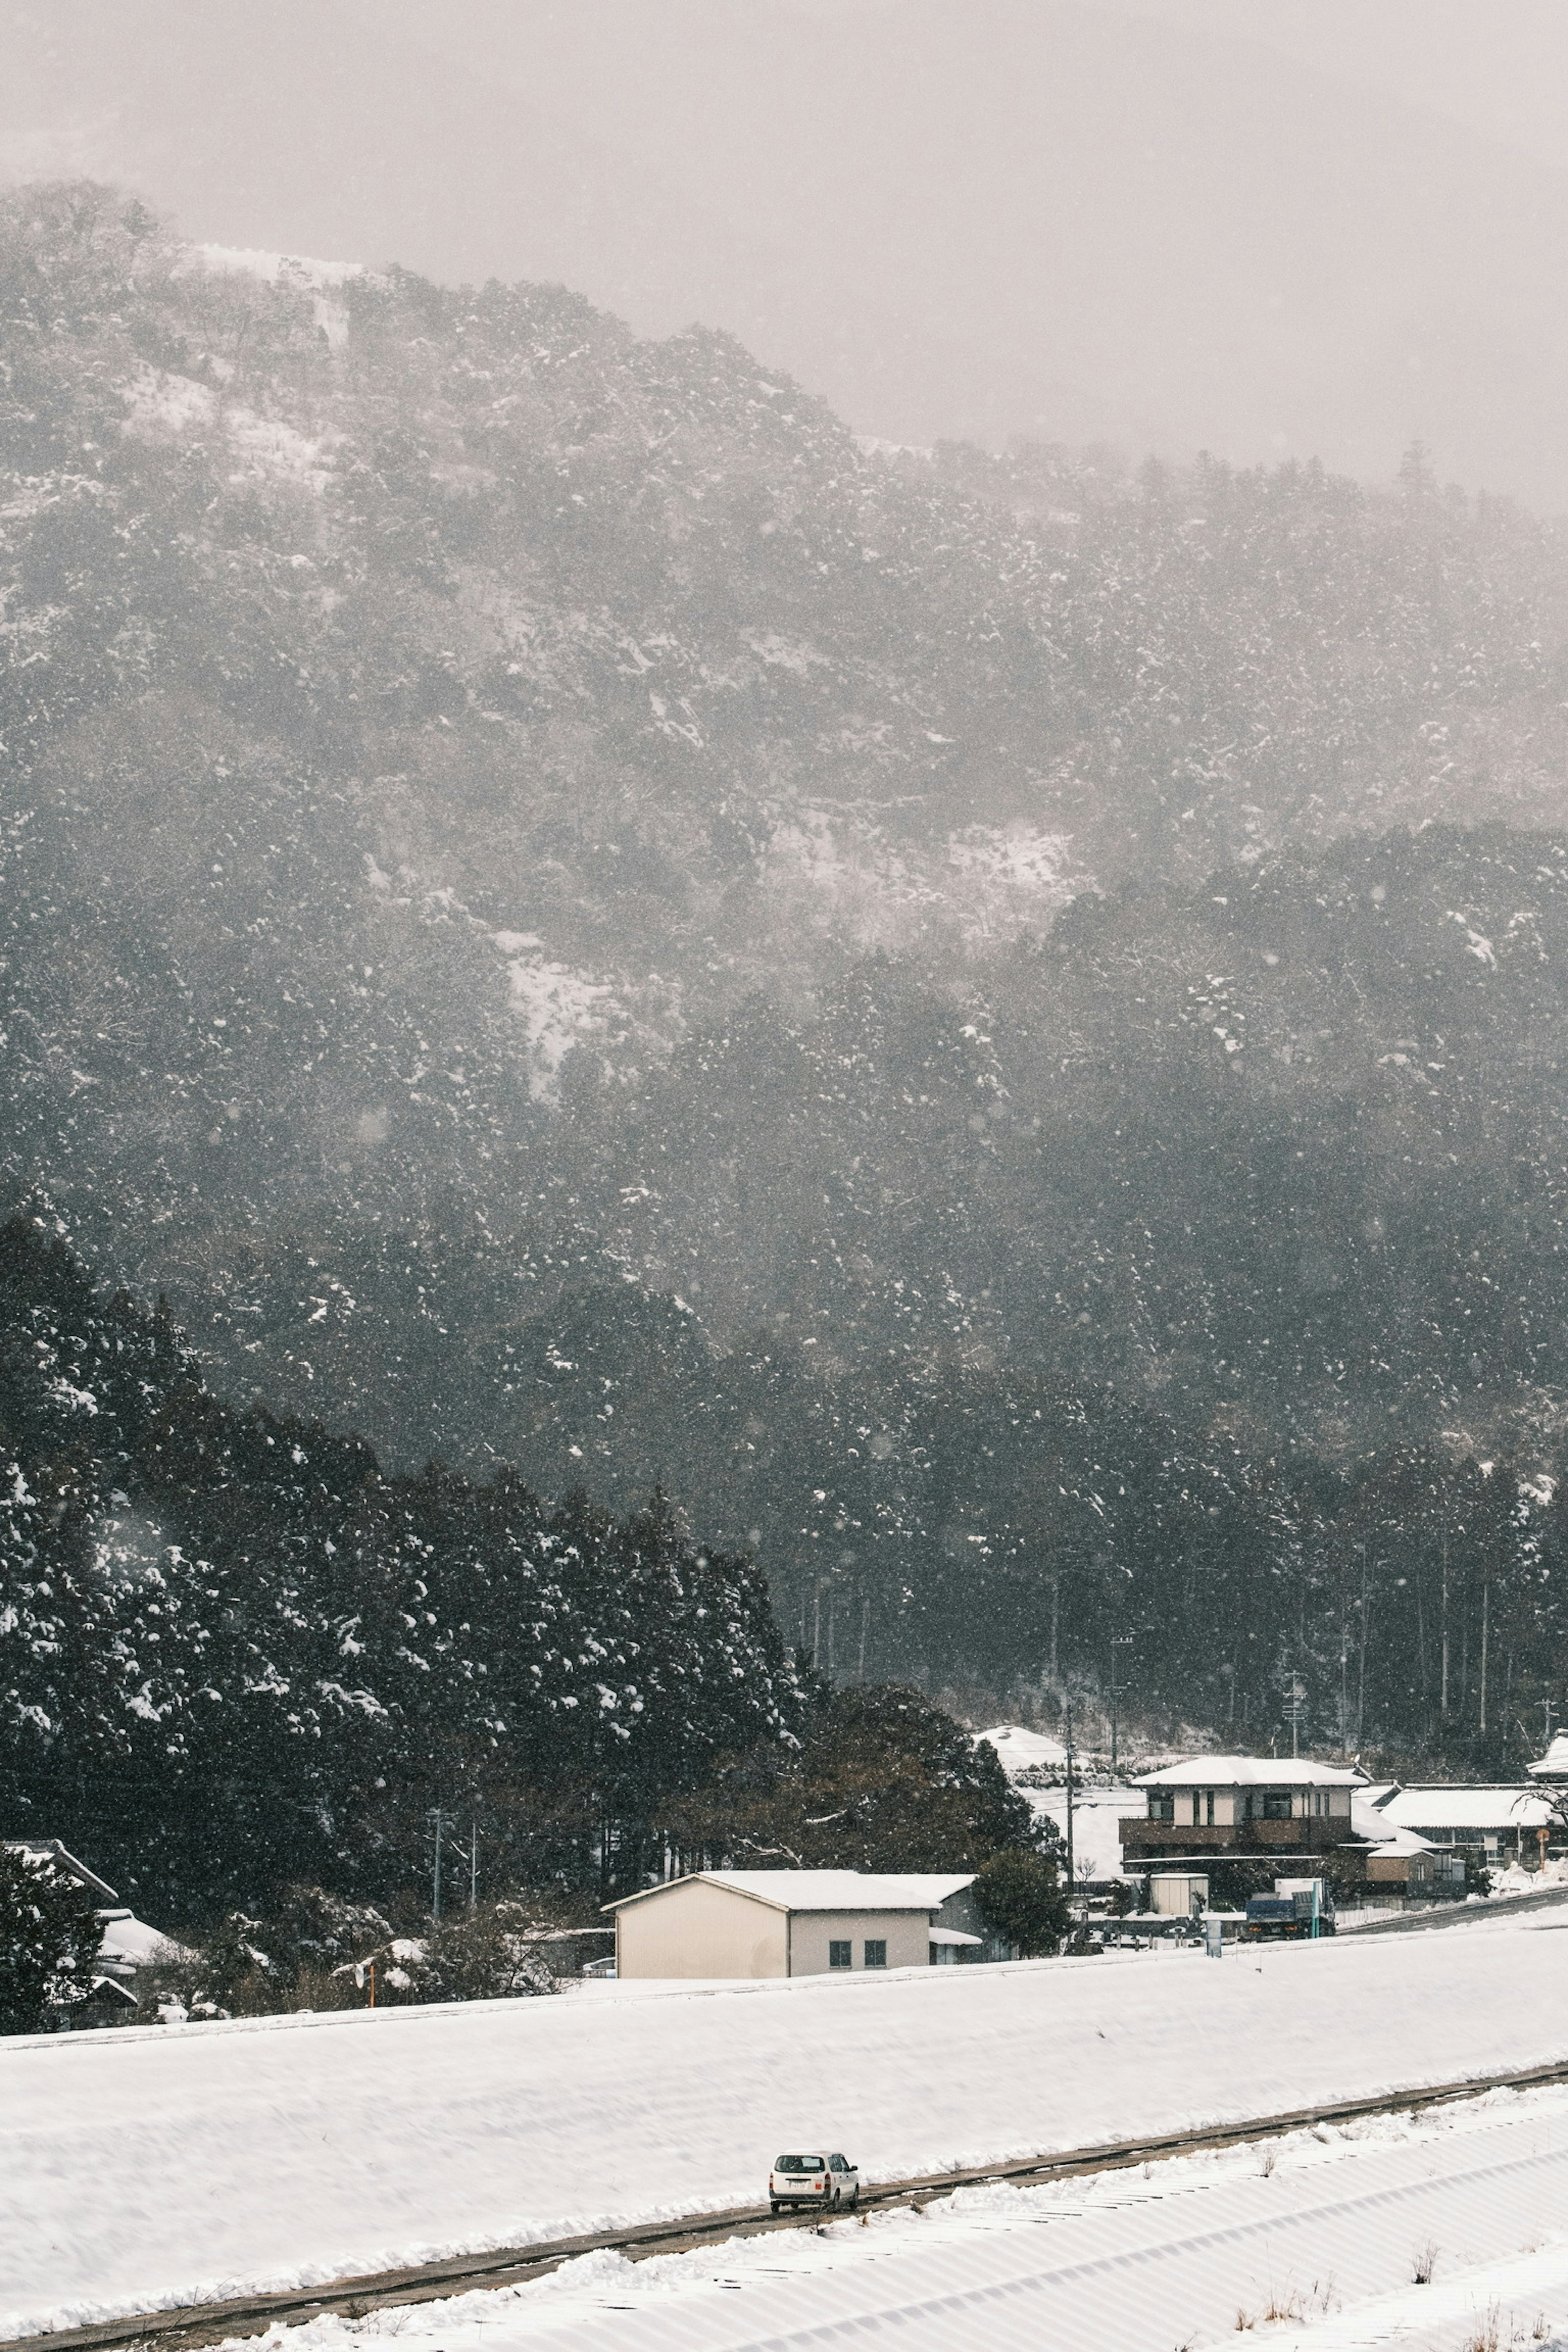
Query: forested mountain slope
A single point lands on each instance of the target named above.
(993, 1024)
(234, 1651)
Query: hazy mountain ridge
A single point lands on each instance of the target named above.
(502, 820)
(1225, 246)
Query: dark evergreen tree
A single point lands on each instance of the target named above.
(49, 1937)
(1024, 1900)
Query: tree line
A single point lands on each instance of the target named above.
(237, 1657)
(234, 1651)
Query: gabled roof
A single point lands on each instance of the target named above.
(1251, 1772)
(1370, 1821)
(52, 1850)
(825, 1890)
(111, 1989)
(130, 1941)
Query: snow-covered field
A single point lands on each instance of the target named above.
(1098, 1814)
(1327, 2227)
(153, 2167)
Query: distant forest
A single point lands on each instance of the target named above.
(234, 1653)
(990, 1024)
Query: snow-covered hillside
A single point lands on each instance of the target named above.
(299, 2148)
(506, 827)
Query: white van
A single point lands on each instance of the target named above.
(830, 2184)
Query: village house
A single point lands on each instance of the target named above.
(1551, 1770)
(1500, 1821)
(793, 1923)
(128, 1942)
(1401, 1867)
(1388, 1844)
(1263, 1809)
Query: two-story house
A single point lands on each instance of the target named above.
(1269, 1810)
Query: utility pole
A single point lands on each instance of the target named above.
(1069, 1722)
(473, 1862)
(1117, 1642)
(1361, 1675)
(1294, 1704)
(1485, 1613)
(1443, 1696)
(438, 1817)
(1547, 1712)
(1345, 1701)
(1055, 1619)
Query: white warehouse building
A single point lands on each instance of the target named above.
(799, 1923)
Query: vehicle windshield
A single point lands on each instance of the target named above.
(800, 2164)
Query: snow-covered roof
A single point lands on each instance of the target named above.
(1501, 1808)
(1026, 1752)
(1251, 1772)
(112, 1988)
(52, 1850)
(1553, 1765)
(825, 1890)
(1388, 1837)
(129, 1939)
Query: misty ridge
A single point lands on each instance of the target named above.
(991, 1023)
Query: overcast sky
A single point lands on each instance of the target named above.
(1270, 227)
(1499, 66)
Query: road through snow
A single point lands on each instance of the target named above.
(145, 2168)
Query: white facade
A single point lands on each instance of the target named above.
(1220, 1792)
(792, 1923)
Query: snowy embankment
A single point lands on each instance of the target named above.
(1440, 2233)
(143, 2168)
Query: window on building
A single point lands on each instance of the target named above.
(1162, 1805)
(1276, 1805)
(841, 1955)
(1208, 1807)
(876, 1951)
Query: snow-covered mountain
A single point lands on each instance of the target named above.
(565, 908)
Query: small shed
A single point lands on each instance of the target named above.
(1401, 1867)
(793, 1923)
(1178, 1894)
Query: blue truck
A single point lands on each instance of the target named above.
(1288, 1917)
